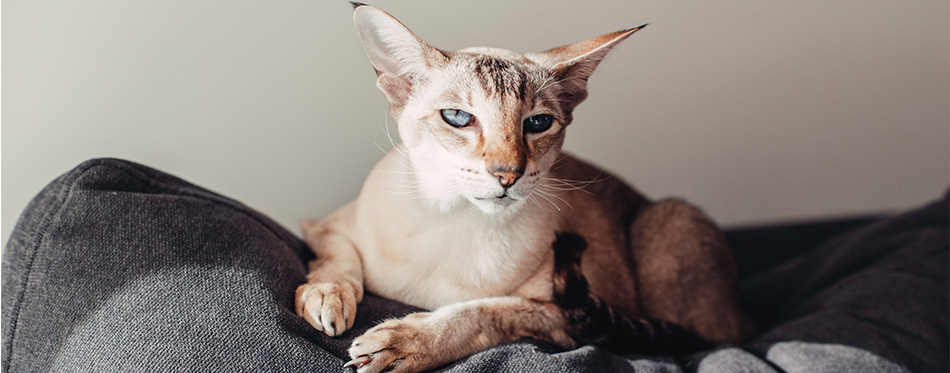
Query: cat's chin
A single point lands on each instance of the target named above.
(494, 205)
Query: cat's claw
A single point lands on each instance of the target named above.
(359, 361)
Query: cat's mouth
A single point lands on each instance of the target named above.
(503, 196)
(495, 203)
(500, 201)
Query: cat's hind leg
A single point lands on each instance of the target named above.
(686, 272)
(590, 320)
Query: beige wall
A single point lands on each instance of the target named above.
(756, 110)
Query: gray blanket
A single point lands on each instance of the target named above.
(118, 267)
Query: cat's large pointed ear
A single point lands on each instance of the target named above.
(397, 54)
(573, 64)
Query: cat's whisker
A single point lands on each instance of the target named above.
(419, 184)
(573, 188)
(404, 189)
(550, 190)
(563, 188)
(418, 194)
(401, 193)
(567, 188)
(563, 185)
(547, 82)
(552, 195)
(559, 162)
(558, 100)
(540, 194)
(394, 172)
(551, 202)
(391, 156)
(532, 198)
(415, 188)
(389, 135)
(398, 148)
(596, 179)
(570, 189)
(559, 81)
(415, 185)
(406, 185)
(539, 204)
(429, 195)
(559, 190)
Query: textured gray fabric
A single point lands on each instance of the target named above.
(118, 267)
(529, 356)
(84, 279)
(798, 357)
(134, 331)
(883, 288)
(733, 360)
(802, 357)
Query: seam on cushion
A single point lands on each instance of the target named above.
(39, 237)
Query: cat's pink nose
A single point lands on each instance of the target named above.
(507, 177)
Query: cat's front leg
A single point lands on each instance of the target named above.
(427, 340)
(335, 282)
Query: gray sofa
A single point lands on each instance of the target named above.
(118, 267)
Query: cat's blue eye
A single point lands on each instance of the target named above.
(538, 123)
(457, 118)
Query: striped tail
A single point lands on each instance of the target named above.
(592, 321)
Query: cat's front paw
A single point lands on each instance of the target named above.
(329, 306)
(404, 345)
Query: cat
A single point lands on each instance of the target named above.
(479, 217)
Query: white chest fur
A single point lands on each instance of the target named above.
(425, 257)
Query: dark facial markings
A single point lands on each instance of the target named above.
(501, 77)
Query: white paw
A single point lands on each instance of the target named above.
(329, 306)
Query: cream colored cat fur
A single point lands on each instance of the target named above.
(461, 220)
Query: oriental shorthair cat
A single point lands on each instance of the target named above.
(480, 218)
